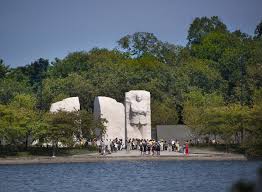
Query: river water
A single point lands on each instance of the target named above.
(113, 176)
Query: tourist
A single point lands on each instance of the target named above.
(153, 147)
(158, 146)
(162, 145)
(111, 146)
(141, 147)
(115, 145)
(107, 145)
(187, 150)
(128, 145)
(169, 146)
(103, 149)
(184, 148)
(148, 146)
(144, 146)
(173, 144)
(177, 146)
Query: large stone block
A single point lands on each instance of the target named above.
(114, 113)
(69, 104)
(138, 114)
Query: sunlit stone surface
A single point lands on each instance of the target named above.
(69, 104)
(114, 113)
(138, 114)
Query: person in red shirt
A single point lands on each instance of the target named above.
(187, 151)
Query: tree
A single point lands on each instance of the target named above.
(89, 125)
(139, 43)
(59, 127)
(253, 142)
(143, 43)
(25, 105)
(3, 69)
(258, 30)
(17, 119)
(10, 88)
(164, 113)
(202, 26)
(195, 110)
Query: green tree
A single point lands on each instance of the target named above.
(143, 43)
(164, 112)
(195, 110)
(59, 127)
(202, 26)
(10, 88)
(258, 30)
(3, 69)
(253, 142)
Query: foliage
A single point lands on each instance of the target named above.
(258, 30)
(3, 69)
(202, 26)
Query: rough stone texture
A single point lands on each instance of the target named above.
(69, 104)
(138, 114)
(114, 113)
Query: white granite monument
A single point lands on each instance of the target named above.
(138, 114)
(114, 113)
(125, 122)
(69, 105)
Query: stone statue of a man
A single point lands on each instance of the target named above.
(138, 114)
(138, 109)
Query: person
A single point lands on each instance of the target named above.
(144, 146)
(187, 150)
(149, 144)
(158, 146)
(153, 146)
(103, 148)
(128, 146)
(141, 147)
(169, 146)
(177, 146)
(184, 148)
(98, 144)
(173, 144)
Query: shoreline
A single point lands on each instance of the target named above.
(99, 158)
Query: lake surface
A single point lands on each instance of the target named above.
(144, 176)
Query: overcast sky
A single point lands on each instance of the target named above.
(30, 29)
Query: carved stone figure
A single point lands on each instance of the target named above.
(114, 113)
(138, 114)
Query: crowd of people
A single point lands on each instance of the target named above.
(145, 146)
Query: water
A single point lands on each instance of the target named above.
(145, 176)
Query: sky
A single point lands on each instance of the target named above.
(30, 29)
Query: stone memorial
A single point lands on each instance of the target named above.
(125, 122)
(114, 113)
(69, 105)
(138, 114)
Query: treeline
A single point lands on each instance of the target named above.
(213, 85)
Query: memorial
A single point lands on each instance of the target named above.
(114, 113)
(138, 114)
(69, 105)
(132, 120)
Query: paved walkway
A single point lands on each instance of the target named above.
(194, 154)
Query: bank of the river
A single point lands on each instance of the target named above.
(197, 154)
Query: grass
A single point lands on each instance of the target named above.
(12, 151)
